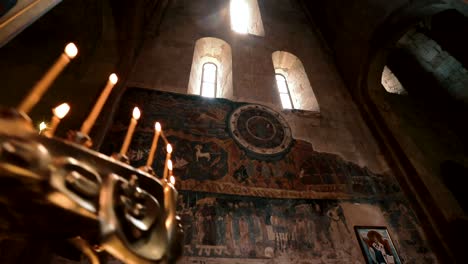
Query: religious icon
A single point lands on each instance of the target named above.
(376, 245)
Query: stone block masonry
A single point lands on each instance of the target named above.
(446, 69)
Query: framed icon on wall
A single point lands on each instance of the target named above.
(377, 245)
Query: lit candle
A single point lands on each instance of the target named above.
(42, 126)
(168, 160)
(59, 112)
(41, 87)
(133, 122)
(157, 132)
(169, 203)
(89, 122)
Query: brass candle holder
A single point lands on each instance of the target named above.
(128, 212)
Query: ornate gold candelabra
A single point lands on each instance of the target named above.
(61, 187)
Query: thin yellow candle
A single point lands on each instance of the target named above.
(59, 112)
(89, 122)
(41, 87)
(169, 203)
(168, 160)
(157, 132)
(131, 128)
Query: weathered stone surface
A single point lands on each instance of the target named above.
(238, 204)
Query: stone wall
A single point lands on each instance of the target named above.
(423, 130)
(447, 70)
(424, 119)
(165, 63)
(361, 35)
(338, 134)
(251, 193)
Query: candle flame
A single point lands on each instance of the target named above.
(169, 165)
(169, 148)
(157, 126)
(136, 113)
(172, 179)
(71, 50)
(61, 111)
(42, 126)
(113, 78)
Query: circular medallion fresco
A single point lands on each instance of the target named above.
(260, 130)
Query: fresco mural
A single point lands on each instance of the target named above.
(246, 227)
(207, 158)
(225, 228)
(243, 200)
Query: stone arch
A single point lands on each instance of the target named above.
(437, 61)
(218, 52)
(292, 69)
(410, 174)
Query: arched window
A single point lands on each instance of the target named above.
(208, 82)
(246, 18)
(283, 90)
(391, 83)
(293, 84)
(211, 73)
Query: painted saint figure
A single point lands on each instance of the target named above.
(379, 248)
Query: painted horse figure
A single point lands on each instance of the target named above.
(199, 154)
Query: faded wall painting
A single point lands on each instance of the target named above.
(218, 148)
(262, 229)
(226, 228)
(250, 193)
